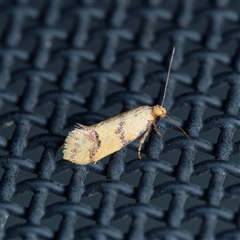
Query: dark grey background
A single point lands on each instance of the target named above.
(35, 192)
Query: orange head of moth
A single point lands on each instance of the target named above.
(159, 111)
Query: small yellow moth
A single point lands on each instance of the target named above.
(89, 144)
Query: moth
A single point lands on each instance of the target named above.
(89, 144)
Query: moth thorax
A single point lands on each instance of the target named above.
(159, 111)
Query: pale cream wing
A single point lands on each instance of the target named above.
(80, 145)
(92, 143)
(117, 132)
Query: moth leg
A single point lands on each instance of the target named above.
(156, 129)
(142, 141)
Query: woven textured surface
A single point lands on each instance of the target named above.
(64, 62)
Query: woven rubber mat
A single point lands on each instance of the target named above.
(68, 62)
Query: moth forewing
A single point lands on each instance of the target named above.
(89, 144)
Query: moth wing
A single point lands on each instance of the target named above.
(119, 131)
(80, 145)
(86, 144)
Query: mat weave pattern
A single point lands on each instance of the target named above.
(64, 62)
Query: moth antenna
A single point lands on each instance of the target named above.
(180, 129)
(168, 74)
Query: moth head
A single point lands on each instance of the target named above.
(159, 111)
